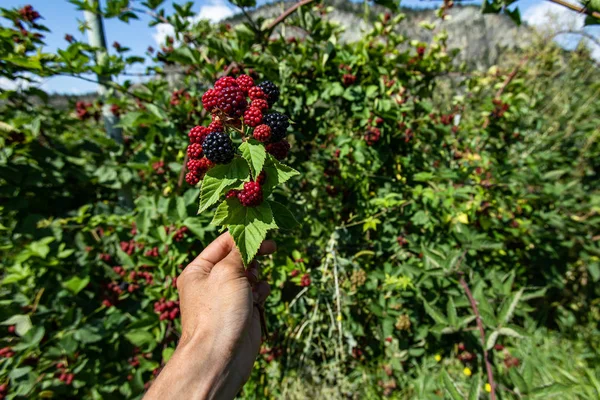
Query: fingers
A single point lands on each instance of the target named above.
(253, 272)
(267, 247)
(213, 253)
(260, 292)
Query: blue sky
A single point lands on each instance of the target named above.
(62, 17)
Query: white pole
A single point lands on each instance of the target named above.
(97, 39)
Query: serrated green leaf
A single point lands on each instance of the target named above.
(254, 153)
(277, 173)
(509, 307)
(451, 387)
(283, 217)
(475, 389)
(249, 235)
(491, 340)
(509, 332)
(221, 178)
(229, 212)
(434, 313)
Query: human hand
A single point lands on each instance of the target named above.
(221, 327)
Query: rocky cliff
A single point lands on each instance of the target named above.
(480, 38)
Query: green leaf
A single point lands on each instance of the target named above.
(221, 178)
(229, 212)
(249, 235)
(283, 217)
(254, 153)
(21, 322)
(181, 208)
(509, 307)
(451, 387)
(76, 284)
(475, 389)
(506, 331)
(451, 311)
(491, 340)
(141, 338)
(31, 339)
(196, 226)
(167, 353)
(277, 173)
(518, 380)
(434, 313)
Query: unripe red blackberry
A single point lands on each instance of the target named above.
(270, 90)
(232, 101)
(218, 148)
(216, 126)
(245, 82)
(278, 123)
(253, 117)
(251, 195)
(279, 150)
(232, 193)
(225, 82)
(192, 179)
(262, 178)
(210, 99)
(199, 167)
(261, 104)
(198, 133)
(256, 92)
(194, 151)
(262, 133)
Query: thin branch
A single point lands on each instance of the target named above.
(287, 13)
(255, 28)
(150, 13)
(511, 76)
(488, 365)
(579, 9)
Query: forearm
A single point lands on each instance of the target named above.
(195, 372)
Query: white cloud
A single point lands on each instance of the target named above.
(214, 11)
(549, 15)
(19, 83)
(550, 18)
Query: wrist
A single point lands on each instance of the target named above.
(197, 370)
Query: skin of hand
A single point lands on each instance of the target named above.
(221, 330)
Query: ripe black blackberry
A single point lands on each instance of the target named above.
(278, 124)
(270, 90)
(218, 148)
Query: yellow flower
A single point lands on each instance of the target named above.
(467, 371)
(438, 358)
(488, 387)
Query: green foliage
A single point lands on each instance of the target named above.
(413, 186)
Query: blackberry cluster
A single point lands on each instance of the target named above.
(237, 104)
(218, 148)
